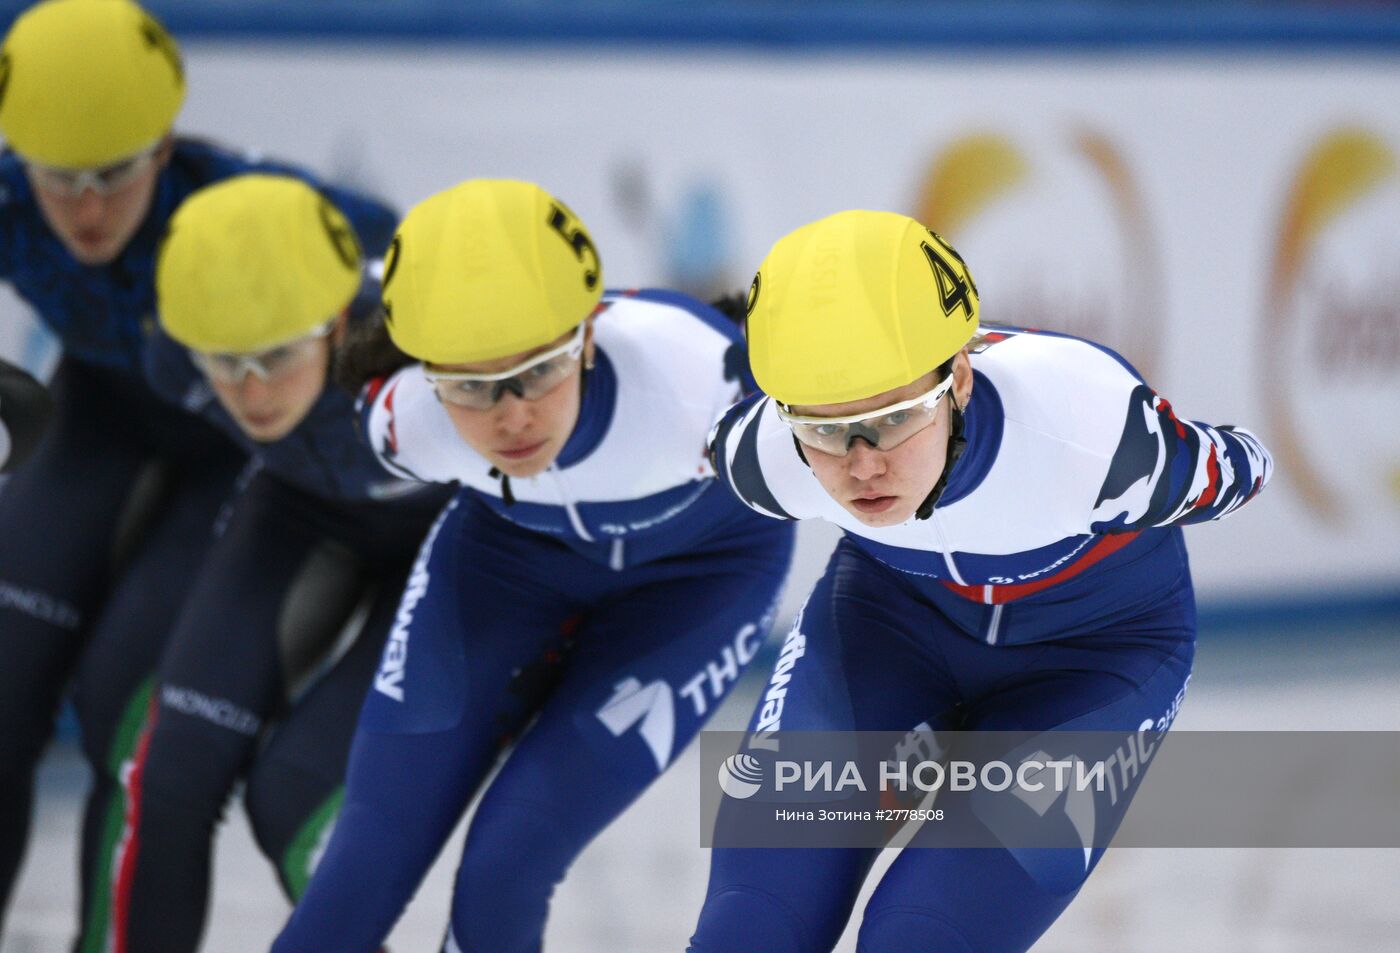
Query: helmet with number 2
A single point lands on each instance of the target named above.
(253, 262)
(485, 269)
(854, 305)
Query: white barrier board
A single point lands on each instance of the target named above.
(1230, 223)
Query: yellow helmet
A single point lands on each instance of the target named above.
(856, 304)
(253, 262)
(85, 83)
(490, 267)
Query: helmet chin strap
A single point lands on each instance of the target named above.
(957, 443)
(507, 497)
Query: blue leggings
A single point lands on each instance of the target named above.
(878, 657)
(598, 678)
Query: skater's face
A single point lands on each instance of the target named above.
(885, 487)
(270, 392)
(95, 212)
(524, 429)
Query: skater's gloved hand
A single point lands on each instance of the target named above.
(25, 407)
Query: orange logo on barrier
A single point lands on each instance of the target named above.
(1073, 249)
(1330, 345)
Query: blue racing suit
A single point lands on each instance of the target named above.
(589, 627)
(266, 667)
(113, 511)
(1048, 590)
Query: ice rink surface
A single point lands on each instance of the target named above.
(638, 887)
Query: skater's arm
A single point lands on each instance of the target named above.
(1168, 471)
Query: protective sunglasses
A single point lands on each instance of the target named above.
(269, 365)
(530, 380)
(883, 429)
(104, 180)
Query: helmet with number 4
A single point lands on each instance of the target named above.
(854, 305)
(485, 269)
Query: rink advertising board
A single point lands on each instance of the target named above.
(1229, 221)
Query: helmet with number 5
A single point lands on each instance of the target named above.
(854, 305)
(487, 268)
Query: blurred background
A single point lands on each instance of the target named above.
(1212, 188)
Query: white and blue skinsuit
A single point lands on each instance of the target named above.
(595, 623)
(1048, 590)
